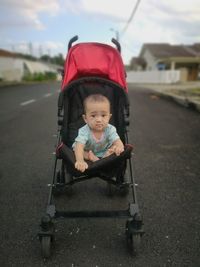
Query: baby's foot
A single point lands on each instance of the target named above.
(92, 157)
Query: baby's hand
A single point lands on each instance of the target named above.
(118, 150)
(81, 165)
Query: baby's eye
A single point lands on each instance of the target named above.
(93, 116)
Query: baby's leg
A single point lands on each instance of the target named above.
(89, 155)
(109, 152)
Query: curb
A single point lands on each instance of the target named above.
(183, 101)
(187, 102)
(8, 84)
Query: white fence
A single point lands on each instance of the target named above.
(164, 76)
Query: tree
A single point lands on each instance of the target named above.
(58, 60)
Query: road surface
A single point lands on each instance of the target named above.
(167, 171)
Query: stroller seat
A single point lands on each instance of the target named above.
(71, 104)
(105, 167)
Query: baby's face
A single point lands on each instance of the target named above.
(97, 115)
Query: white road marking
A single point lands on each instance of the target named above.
(33, 100)
(48, 95)
(27, 102)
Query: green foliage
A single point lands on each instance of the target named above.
(58, 60)
(26, 56)
(38, 76)
(195, 91)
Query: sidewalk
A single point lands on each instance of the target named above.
(186, 94)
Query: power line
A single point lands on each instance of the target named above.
(131, 17)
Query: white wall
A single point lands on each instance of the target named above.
(151, 63)
(167, 76)
(36, 67)
(12, 69)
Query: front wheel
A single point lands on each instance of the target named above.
(133, 240)
(46, 243)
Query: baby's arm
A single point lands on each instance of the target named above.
(80, 164)
(117, 147)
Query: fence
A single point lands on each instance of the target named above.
(167, 76)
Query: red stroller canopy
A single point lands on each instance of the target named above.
(94, 59)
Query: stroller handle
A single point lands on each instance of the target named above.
(75, 38)
(117, 44)
(72, 40)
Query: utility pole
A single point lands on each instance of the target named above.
(40, 51)
(49, 54)
(13, 48)
(116, 33)
(30, 46)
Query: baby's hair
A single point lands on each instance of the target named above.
(95, 98)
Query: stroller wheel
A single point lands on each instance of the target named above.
(133, 239)
(46, 243)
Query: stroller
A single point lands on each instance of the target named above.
(92, 68)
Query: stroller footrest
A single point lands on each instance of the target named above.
(104, 165)
(93, 214)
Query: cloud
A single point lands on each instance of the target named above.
(16, 13)
(47, 47)
(36, 48)
(110, 10)
(120, 11)
(155, 21)
(175, 16)
(186, 10)
(173, 21)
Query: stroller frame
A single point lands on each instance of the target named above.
(134, 223)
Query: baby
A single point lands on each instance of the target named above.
(97, 139)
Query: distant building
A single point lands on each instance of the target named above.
(164, 56)
(138, 63)
(14, 68)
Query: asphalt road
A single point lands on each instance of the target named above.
(167, 170)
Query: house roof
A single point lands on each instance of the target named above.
(5, 53)
(138, 60)
(195, 48)
(164, 50)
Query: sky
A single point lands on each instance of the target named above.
(45, 26)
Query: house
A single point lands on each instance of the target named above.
(138, 63)
(163, 56)
(14, 67)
